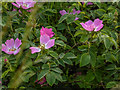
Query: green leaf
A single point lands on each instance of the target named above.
(58, 76)
(111, 67)
(70, 19)
(58, 70)
(113, 41)
(61, 62)
(5, 73)
(53, 54)
(67, 61)
(93, 59)
(79, 32)
(84, 60)
(50, 77)
(63, 38)
(84, 38)
(70, 55)
(111, 84)
(61, 26)
(83, 47)
(90, 76)
(106, 42)
(42, 74)
(61, 55)
(63, 18)
(45, 66)
(59, 42)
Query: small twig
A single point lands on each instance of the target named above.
(72, 47)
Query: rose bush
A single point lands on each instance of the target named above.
(48, 47)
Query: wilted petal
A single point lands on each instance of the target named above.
(44, 39)
(97, 22)
(35, 49)
(98, 28)
(42, 81)
(17, 43)
(16, 51)
(10, 43)
(63, 12)
(50, 43)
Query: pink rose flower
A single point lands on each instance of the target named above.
(25, 4)
(47, 31)
(11, 47)
(92, 26)
(63, 12)
(45, 43)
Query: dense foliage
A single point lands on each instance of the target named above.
(78, 58)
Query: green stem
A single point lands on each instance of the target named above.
(71, 35)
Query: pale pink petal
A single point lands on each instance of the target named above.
(44, 39)
(50, 43)
(10, 43)
(89, 22)
(10, 52)
(5, 48)
(16, 51)
(76, 18)
(17, 43)
(16, 5)
(35, 49)
(97, 22)
(87, 27)
(84, 25)
(98, 28)
(63, 12)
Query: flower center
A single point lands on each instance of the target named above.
(12, 49)
(24, 4)
(42, 46)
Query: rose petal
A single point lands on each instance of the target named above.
(89, 22)
(50, 43)
(98, 28)
(16, 51)
(44, 39)
(76, 18)
(10, 43)
(5, 48)
(63, 12)
(97, 22)
(17, 43)
(35, 49)
(16, 5)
